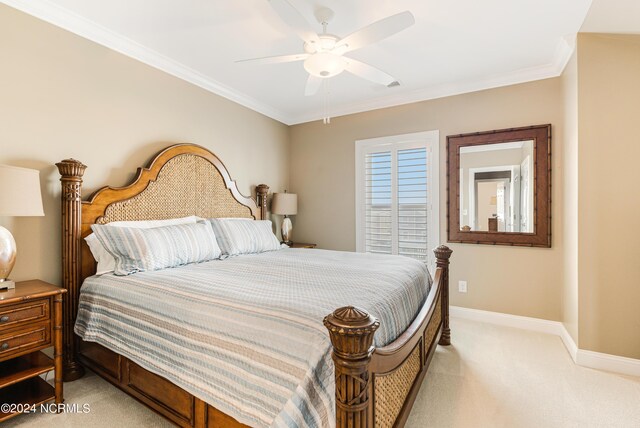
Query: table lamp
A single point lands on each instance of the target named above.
(20, 196)
(285, 204)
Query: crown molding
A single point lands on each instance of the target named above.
(70, 21)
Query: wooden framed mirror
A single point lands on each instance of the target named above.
(499, 187)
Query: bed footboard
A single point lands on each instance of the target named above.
(377, 387)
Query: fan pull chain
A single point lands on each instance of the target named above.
(325, 89)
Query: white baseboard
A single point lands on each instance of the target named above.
(608, 362)
(582, 357)
(507, 320)
(569, 343)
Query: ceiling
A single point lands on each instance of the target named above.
(613, 16)
(454, 47)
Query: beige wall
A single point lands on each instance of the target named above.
(522, 281)
(609, 200)
(63, 96)
(570, 198)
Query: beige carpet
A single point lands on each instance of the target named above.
(491, 377)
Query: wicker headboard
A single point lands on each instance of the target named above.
(181, 180)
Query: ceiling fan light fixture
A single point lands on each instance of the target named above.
(326, 43)
(325, 65)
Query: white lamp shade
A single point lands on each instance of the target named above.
(20, 193)
(284, 204)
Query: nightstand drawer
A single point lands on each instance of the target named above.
(24, 340)
(12, 316)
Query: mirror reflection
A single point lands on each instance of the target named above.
(496, 187)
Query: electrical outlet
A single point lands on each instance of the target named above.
(462, 286)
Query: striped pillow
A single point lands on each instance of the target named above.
(244, 236)
(139, 250)
(106, 262)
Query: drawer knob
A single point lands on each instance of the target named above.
(4, 319)
(5, 346)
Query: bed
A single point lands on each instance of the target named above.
(370, 359)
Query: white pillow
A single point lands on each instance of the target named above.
(106, 262)
(244, 236)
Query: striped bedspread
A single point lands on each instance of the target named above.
(245, 334)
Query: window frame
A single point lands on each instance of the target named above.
(430, 140)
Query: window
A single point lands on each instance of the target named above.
(397, 195)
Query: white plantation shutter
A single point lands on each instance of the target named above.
(378, 222)
(396, 195)
(412, 203)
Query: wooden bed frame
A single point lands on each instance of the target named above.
(375, 387)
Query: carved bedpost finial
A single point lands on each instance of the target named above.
(443, 254)
(71, 172)
(351, 331)
(261, 195)
(71, 169)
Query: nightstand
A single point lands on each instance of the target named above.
(30, 320)
(302, 245)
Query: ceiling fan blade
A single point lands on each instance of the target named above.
(313, 84)
(296, 21)
(277, 59)
(368, 72)
(375, 32)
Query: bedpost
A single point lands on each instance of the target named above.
(443, 253)
(71, 172)
(351, 331)
(261, 195)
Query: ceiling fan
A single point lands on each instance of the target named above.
(324, 53)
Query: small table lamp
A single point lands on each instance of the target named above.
(19, 196)
(285, 204)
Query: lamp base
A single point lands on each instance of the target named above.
(286, 229)
(7, 257)
(7, 284)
